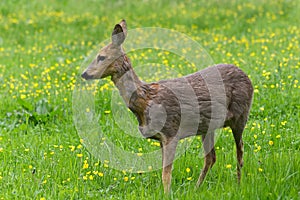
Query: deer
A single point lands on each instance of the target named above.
(170, 110)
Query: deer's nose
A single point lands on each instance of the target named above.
(86, 76)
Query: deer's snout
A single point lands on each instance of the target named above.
(86, 76)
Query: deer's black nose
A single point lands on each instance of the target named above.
(86, 76)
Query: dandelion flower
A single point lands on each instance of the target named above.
(107, 111)
(85, 165)
(100, 174)
(72, 148)
(228, 166)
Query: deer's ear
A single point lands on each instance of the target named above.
(124, 26)
(118, 35)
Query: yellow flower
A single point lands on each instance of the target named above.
(188, 170)
(228, 166)
(271, 142)
(283, 123)
(42, 198)
(155, 144)
(260, 169)
(95, 172)
(79, 155)
(107, 111)
(85, 165)
(100, 174)
(72, 148)
(68, 61)
(23, 96)
(189, 178)
(278, 136)
(126, 178)
(258, 148)
(91, 177)
(139, 154)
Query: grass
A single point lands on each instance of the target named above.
(42, 47)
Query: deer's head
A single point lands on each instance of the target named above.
(109, 57)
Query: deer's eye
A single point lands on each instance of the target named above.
(100, 58)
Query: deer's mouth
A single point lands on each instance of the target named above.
(86, 76)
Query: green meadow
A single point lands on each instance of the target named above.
(44, 47)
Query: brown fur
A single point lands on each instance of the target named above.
(168, 98)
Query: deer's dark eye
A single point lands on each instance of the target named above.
(100, 58)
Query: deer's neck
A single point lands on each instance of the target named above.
(125, 79)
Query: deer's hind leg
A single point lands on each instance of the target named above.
(237, 130)
(210, 156)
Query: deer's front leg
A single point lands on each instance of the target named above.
(168, 147)
(210, 156)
